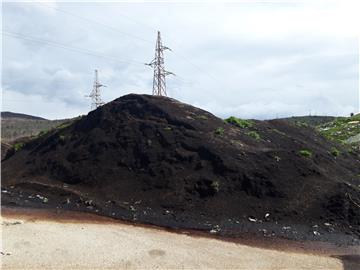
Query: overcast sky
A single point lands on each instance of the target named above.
(249, 59)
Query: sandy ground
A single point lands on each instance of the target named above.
(33, 243)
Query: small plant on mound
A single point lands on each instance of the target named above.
(305, 153)
(201, 117)
(215, 185)
(254, 135)
(62, 138)
(239, 122)
(219, 131)
(335, 152)
(18, 146)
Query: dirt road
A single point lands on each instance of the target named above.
(33, 243)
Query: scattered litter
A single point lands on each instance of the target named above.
(327, 224)
(5, 253)
(167, 212)
(5, 191)
(286, 228)
(137, 202)
(89, 203)
(68, 200)
(252, 219)
(316, 233)
(9, 223)
(315, 226)
(267, 215)
(216, 229)
(132, 208)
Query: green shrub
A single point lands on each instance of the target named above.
(219, 131)
(305, 153)
(18, 146)
(239, 122)
(215, 185)
(201, 117)
(254, 135)
(64, 125)
(335, 152)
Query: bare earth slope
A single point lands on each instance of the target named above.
(155, 160)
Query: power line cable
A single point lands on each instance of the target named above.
(133, 36)
(67, 47)
(97, 22)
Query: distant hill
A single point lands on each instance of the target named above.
(17, 125)
(20, 115)
(311, 120)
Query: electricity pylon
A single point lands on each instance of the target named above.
(159, 82)
(95, 93)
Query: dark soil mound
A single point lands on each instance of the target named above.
(155, 160)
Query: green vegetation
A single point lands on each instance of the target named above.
(310, 120)
(201, 117)
(18, 146)
(279, 132)
(215, 185)
(12, 129)
(167, 128)
(219, 131)
(335, 152)
(305, 153)
(254, 135)
(342, 129)
(62, 138)
(64, 125)
(242, 123)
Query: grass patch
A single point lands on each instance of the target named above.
(242, 123)
(62, 138)
(18, 146)
(64, 125)
(215, 185)
(335, 152)
(254, 135)
(201, 117)
(305, 153)
(219, 131)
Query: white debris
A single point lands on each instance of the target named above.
(4, 191)
(286, 228)
(316, 233)
(315, 226)
(216, 229)
(267, 215)
(167, 212)
(132, 208)
(251, 219)
(327, 224)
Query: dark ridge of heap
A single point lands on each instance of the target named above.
(155, 160)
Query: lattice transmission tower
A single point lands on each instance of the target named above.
(95, 95)
(159, 82)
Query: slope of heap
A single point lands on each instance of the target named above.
(155, 160)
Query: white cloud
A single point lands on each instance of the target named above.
(252, 60)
